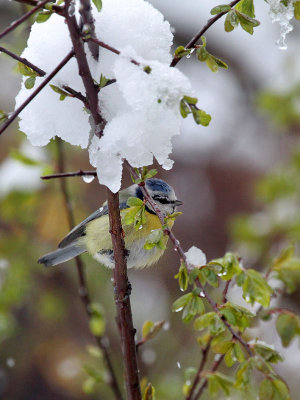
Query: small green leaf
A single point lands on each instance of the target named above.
(201, 117)
(134, 202)
(98, 4)
(103, 81)
(211, 63)
(88, 386)
(236, 315)
(149, 174)
(94, 351)
(231, 21)
(202, 53)
(266, 390)
(155, 239)
(220, 9)
(130, 215)
(246, 7)
(269, 354)
(29, 82)
(190, 100)
(181, 302)
(43, 16)
(147, 328)
(97, 326)
(297, 10)
(255, 288)
(151, 329)
(3, 116)
(181, 51)
(25, 70)
(194, 307)
(217, 381)
(211, 321)
(63, 94)
(184, 109)
(149, 393)
(243, 375)
(183, 277)
(147, 69)
(287, 326)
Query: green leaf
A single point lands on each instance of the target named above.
(220, 9)
(3, 116)
(269, 354)
(98, 4)
(210, 321)
(247, 23)
(285, 255)
(183, 277)
(181, 51)
(211, 63)
(210, 276)
(29, 82)
(149, 174)
(255, 288)
(103, 81)
(231, 21)
(243, 375)
(181, 302)
(43, 16)
(289, 274)
(217, 381)
(202, 53)
(134, 202)
(88, 386)
(266, 390)
(236, 315)
(155, 239)
(190, 100)
(227, 267)
(246, 7)
(130, 215)
(151, 329)
(184, 109)
(194, 307)
(63, 94)
(25, 70)
(94, 351)
(287, 326)
(201, 117)
(97, 325)
(149, 393)
(297, 10)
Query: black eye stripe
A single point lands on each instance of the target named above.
(163, 200)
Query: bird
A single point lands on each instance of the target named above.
(92, 234)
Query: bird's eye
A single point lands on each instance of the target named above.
(162, 200)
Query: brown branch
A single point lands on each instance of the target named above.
(14, 115)
(209, 23)
(38, 70)
(70, 174)
(122, 298)
(225, 291)
(77, 95)
(19, 21)
(182, 256)
(122, 286)
(88, 22)
(83, 288)
(58, 9)
(84, 71)
(110, 48)
(198, 376)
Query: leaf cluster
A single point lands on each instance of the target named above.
(188, 106)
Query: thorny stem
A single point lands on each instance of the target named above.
(19, 21)
(122, 286)
(83, 288)
(209, 23)
(14, 115)
(23, 61)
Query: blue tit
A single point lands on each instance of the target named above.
(92, 235)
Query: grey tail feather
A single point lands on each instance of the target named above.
(61, 255)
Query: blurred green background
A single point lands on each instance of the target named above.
(239, 180)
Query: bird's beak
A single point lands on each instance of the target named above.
(178, 203)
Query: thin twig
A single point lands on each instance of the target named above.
(198, 376)
(58, 9)
(182, 256)
(14, 115)
(84, 71)
(76, 94)
(83, 288)
(209, 23)
(122, 299)
(70, 174)
(38, 70)
(19, 21)
(88, 23)
(225, 291)
(204, 384)
(110, 48)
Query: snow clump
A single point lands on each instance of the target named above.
(141, 108)
(195, 257)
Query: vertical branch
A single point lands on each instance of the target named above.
(121, 280)
(83, 288)
(88, 25)
(122, 297)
